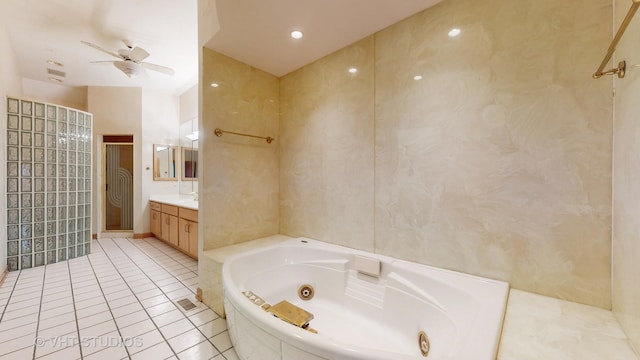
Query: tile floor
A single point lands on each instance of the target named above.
(119, 302)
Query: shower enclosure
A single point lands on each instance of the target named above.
(48, 183)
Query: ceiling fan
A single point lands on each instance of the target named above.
(130, 60)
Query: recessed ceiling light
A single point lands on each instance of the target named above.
(353, 70)
(215, 85)
(56, 80)
(417, 77)
(454, 32)
(297, 34)
(56, 63)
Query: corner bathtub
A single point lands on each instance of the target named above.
(356, 315)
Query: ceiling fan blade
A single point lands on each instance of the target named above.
(101, 49)
(138, 54)
(158, 68)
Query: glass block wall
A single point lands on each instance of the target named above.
(48, 183)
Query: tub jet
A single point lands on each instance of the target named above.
(306, 292)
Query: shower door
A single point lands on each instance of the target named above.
(118, 186)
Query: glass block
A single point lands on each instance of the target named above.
(80, 158)
(39, 125)
(38, 229)
(51, 171)
(51, 212)
(52, 142)
(62, 184)
(26, 123)
(39, 259)
(26, 246)
(38, 155)
(51, 127)
(51, 183)
(87, 172)
(80, 184)
(62, 226)
(62, 171)
(62, 241)
(62, 199)
(12, 185)
(38, 140)
(73, 144)
(51, 257)
(80, 250)
(62, 157)
(12, 169)
(72, 158)
(13, 122)
(62, 214)
(13, 232)
(73, 116)
(72, 213)
(13, 217)
(87, 149)
(12, 248)
(27, 139)
(13, 106)
(12, 263)
(25, 262)
(12, 153)
(27, 107)
(72, 184)
(26, 200)
(72, 171)
(25, 185)
(51, 242)
(62, 114)
(13, 137)
(26, 231)
(38, 170)
(72, 199)
(26, 154)
(62, 141)
(51, 228)
(87, 209)
(87, 120)
(71, 251)
(87, 235)
(38, 244)
(71, 238)
(38, 199)
(80, 198)
(26, 215)
(87, 223)
(26, 170)
(12, 200)
(38, 215)
(80, 118)
(87, 159)
(87, 248)
(39, 110)
(62, 128)
(51, 155)
(62, 254)
(51, 112)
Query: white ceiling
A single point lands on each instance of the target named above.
(255, 32)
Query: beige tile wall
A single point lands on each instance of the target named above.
(326, 147)
(626, 184)
(496, 163)
(239, 177)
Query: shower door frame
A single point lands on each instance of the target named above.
(104, 187)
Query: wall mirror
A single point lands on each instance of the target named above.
(164, 163)
(189, 163)
(189, 166)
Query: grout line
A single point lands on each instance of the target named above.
(108, 306)
(4, 310)
(75, 311)
(185, 315)
(134, 294)
(44, 278)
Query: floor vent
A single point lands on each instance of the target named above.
(186, 304)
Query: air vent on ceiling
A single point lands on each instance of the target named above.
(56, 72)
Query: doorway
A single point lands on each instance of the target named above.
(117, 153)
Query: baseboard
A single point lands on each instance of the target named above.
(3, 276)
(142, 236)
(199, 294)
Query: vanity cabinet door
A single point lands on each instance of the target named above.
(193, 239)
(183, 239)
(156, 224)
(170, 229)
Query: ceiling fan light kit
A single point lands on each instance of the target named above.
(131, 60)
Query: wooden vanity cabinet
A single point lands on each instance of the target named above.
(188, 238)
(176, 226)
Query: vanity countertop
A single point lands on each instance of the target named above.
(185, 201)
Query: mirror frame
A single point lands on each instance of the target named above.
(183, 163)
(156, 176)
